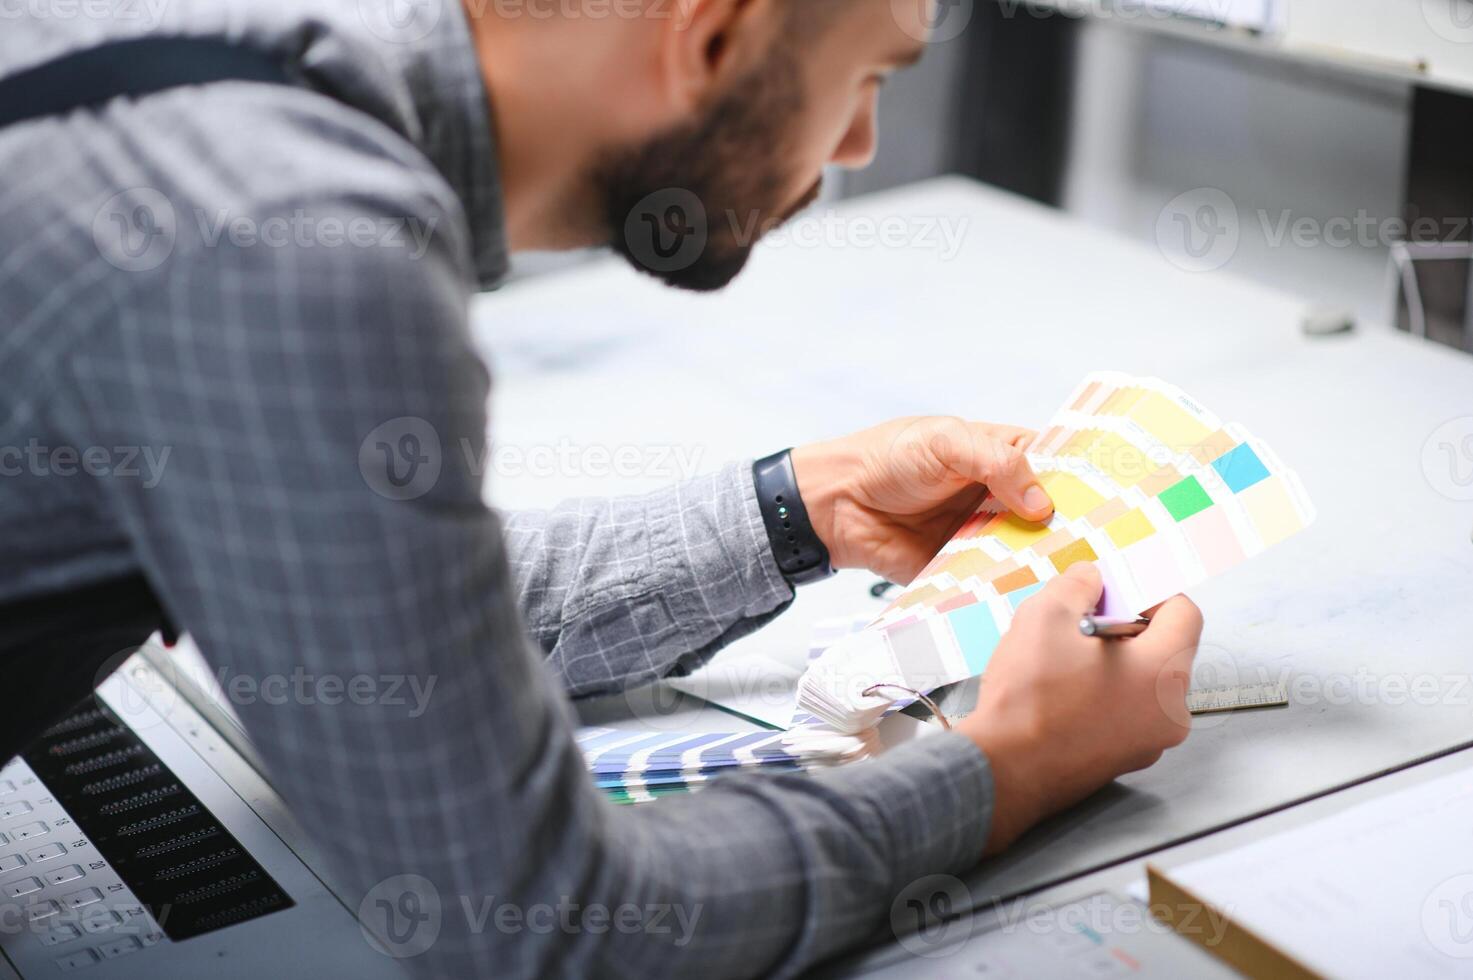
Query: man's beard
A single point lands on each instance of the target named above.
(688, 206)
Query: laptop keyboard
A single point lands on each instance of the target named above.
(103, 852)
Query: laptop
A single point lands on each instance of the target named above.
(139, 838)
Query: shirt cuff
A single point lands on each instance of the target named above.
(711, 550)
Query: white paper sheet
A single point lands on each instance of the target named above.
(1384, 889)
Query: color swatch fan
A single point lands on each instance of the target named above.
(640, 767)
(1146, 483)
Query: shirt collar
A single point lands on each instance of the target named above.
(458, 134)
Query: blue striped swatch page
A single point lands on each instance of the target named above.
(637, 767)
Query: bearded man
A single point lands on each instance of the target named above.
(246, 232)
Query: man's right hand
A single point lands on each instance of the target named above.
(1060, 714)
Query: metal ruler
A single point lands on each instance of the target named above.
(1233, 697)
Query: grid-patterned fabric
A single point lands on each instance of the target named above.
(280, 432)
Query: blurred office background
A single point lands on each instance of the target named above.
(1322, 147)
(1317, 127)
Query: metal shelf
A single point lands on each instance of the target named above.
(1264, 44)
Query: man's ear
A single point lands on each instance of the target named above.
(708, 43)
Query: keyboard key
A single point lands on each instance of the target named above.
(46, 852)
(76, 961)
(63, 875)
(30, 830)
(58, 934)
(100, 920)
(6, 787)
(19, 887)
(17, 809)
(9, 862)
(86, 896)
(42, 910)
(119, 947)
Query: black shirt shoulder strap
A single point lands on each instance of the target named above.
(131, 68)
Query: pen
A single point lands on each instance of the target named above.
(1112, 628)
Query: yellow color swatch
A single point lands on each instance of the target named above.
(1079, 443)
(916, 596)
(1126, 531)
(1077, 552)
(1015, 532)
(1120, 460)
(1072, 497)
(1168, 422)
(1273, 513)
(965, 564)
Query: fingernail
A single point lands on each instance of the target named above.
(1035, 498)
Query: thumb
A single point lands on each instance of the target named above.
(1176, 627)
(1079, 588)
(1004, 469)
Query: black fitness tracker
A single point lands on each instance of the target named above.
(801, 555)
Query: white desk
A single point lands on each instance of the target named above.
(819, 341)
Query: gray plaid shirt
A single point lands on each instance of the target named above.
(233, 325)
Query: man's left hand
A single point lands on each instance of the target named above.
(888, 498)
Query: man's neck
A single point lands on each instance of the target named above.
(543, 157)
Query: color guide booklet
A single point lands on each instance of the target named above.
(640, 766)
(1146, 483)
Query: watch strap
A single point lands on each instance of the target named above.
(800, 553)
